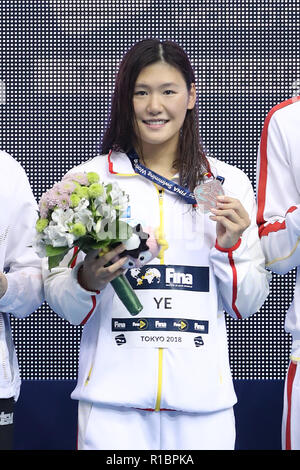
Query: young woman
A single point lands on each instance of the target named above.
(161, 380)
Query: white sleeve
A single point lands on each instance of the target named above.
(278, 196)
(243, 281)
(65, 295)
(22, 265)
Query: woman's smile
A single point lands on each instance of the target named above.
(155, 123)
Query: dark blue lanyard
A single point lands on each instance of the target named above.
(169, 185)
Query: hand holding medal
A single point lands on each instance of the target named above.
(231, 217)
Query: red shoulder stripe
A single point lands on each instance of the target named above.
(234, 274)
(261, 190)
(90, 312)
(264, 231)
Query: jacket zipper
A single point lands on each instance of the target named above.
(164, 246)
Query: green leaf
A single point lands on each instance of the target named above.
(108, 188)
(56, 250)
(54, 261)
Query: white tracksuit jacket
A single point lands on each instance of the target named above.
(278, 191)
(173, 354)
(20, 263)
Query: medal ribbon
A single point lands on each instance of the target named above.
(165, 183)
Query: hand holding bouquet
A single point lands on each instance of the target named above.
(80, 211)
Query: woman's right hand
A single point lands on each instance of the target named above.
(94, 275)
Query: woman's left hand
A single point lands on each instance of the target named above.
(232, 219)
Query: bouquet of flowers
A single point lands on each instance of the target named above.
(80, 211)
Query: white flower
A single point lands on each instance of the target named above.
(85, 217)
(83, 204)
(107, 212)
(57, 235)
(62, 217)
(57, 232)
(118, 198)
(98, 226)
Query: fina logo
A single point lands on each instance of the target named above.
(151, 275)
(173, 277)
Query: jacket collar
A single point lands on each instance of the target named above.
(119, 164)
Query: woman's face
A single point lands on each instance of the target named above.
(160, 101)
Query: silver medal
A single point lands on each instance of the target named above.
(207, 192)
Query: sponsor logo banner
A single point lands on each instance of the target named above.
(160, 324)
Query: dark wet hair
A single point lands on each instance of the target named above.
(120, 134)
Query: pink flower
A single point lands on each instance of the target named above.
(43, 206)
(59, 194)
(80, 178)
(64, 201)
(52, 197)
(68, 186)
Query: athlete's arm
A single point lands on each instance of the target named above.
(278, 214)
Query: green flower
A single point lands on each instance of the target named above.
(95, 190)
(92, 177)
(41, 224)
(78, 229)
(82, 192)
(74, 200)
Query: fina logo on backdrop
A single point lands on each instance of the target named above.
(194, 278)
